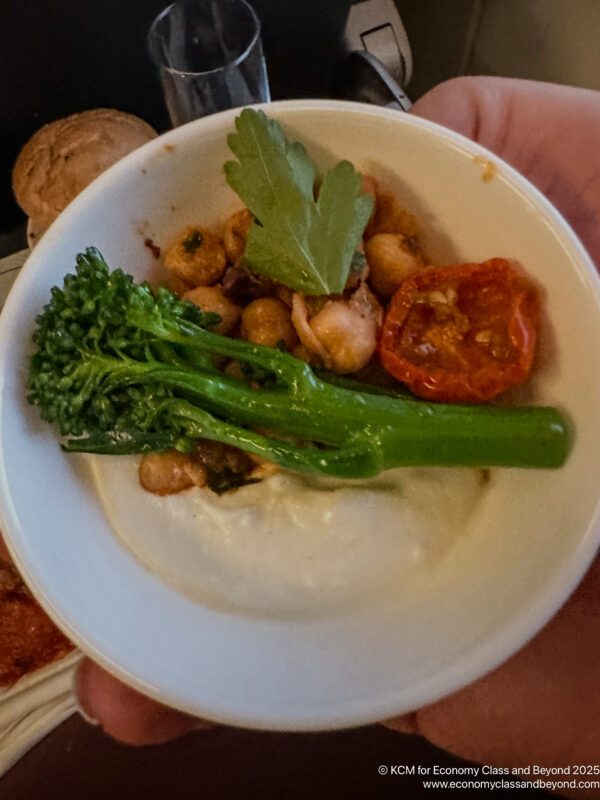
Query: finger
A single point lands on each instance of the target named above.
(513, 117)
(407, 723)
(549, 133)
(124, 713)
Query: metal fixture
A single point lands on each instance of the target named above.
(379, 62)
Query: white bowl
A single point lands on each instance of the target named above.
(344, 664)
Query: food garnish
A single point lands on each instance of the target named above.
(461, 333)
(120, 369)
(304, 243)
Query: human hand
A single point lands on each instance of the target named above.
(543, 705)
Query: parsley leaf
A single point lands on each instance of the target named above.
(305, 244)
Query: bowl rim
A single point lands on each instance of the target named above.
(503, 642)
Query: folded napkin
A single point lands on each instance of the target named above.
(9, 269)
(35, 705)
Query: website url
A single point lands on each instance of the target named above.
(552, 786)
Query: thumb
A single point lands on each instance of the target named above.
(124, 713)
(549, 133)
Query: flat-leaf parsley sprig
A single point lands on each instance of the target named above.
(304, 243)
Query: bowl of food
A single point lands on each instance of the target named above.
(328, 437)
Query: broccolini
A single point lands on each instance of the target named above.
(120, 369)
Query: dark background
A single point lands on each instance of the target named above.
(59, 57)
(62, 56)
(77, 762)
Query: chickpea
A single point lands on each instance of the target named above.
(233, 369)
(268, 321)
(301, 352)
(169, 473)
(211, 298)
(263, 469)
(237, 228)
(339, 334)
(369, 186)
(174, 284)
(348, 335)
(196, 257)
(391, 259)
(390, 217)
(285, 294)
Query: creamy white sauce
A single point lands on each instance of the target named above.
(292, 543)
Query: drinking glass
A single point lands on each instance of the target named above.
(210, 57)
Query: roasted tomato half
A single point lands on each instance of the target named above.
(461, 333)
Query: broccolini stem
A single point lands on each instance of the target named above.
(408, 431)
(285, 367)
(356, 460)
(404, 431)
(133, 371)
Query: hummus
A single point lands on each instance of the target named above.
(291, 543)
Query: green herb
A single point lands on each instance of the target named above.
(121, 370)
(305, 244)
(359, 262)
(192, 241)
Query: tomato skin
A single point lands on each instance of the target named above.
(468, 348)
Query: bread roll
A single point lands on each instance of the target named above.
(63, 157)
